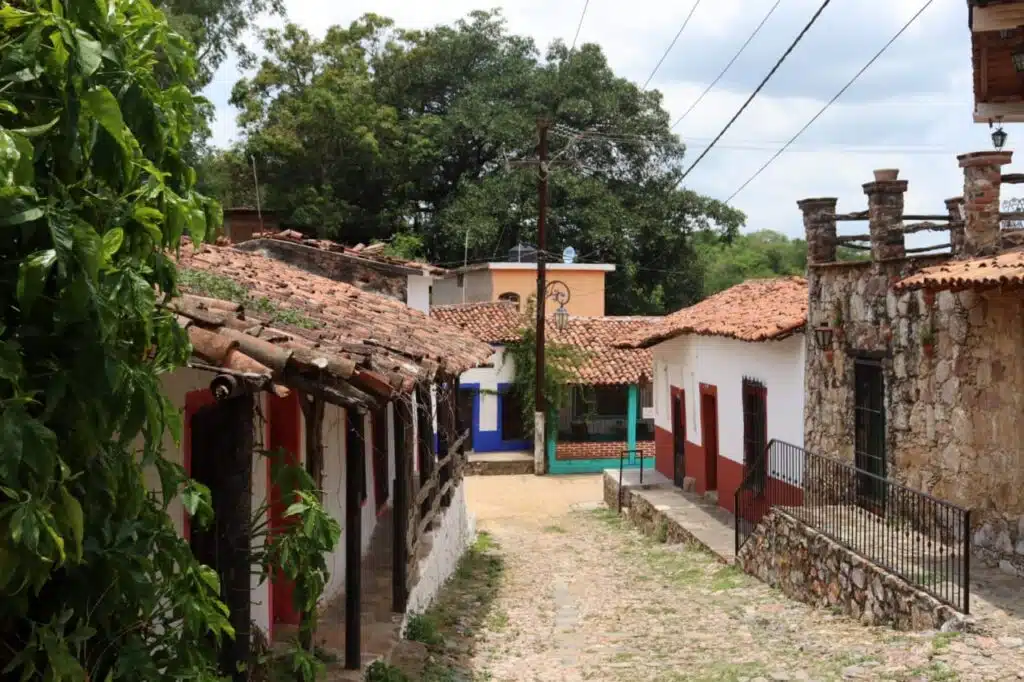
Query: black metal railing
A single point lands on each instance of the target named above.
(922, 539)
(623, 456)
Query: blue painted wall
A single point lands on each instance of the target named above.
(491, 441)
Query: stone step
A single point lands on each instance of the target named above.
(689, 484)
(711, 496)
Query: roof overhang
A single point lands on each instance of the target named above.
(995, 15)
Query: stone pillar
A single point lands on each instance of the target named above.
(956, 225)
(820, 229)
(885, 215)
(982, 177)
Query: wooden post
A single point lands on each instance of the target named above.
(313, 414)
(425, 423)
(402, 425)
(355, 459)
(228, 449)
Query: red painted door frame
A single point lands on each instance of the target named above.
(709, 434)
(284, 430)
(678, 417)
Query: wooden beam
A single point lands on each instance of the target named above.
(1010, 112)
(1002, 17)
(402, 426)
(355, 459)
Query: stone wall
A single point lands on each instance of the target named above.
(449, 541)
(379, 278)
(811, 568)
(953, 412)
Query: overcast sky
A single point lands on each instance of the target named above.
(911, 110)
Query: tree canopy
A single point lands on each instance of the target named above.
(375, 132)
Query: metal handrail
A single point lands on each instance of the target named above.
(622, 459)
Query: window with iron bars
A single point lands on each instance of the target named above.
(755, 428)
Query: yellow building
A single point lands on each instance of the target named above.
(517, 281)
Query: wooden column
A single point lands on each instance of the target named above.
(402, 425)
(447, 425)
(425, 424)
(355, 460)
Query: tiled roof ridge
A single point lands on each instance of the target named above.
(371, 252)
(383, 334)
(757, 309)
(979, 272)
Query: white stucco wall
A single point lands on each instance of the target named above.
(452, 537)
(418, 292)
(499, 371)
(334, 492)
(690, 360)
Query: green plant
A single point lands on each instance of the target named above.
(423, 628)
(927, 335)
(95, 583)
(298, 550)
(837, 316)
(213, 285)
(379, 671)
(561, 365)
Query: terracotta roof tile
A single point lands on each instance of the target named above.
(374, 332)
(756, 310)
(972, 273)
(373, 252)
(603, 362)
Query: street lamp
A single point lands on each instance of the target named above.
(998, 135)
(557, 291)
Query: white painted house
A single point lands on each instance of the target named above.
(273, 375)
(728, 378)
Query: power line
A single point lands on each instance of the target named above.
(759, 87)
(832, 101)
(671, 45)
(727, 66)
(576, 37)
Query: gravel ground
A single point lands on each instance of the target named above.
(570, 592)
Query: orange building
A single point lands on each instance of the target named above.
(517, 282)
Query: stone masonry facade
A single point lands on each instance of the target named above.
(952, 362)
(811, 568)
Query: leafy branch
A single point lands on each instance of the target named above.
(561, 368)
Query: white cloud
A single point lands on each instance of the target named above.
(912, 106)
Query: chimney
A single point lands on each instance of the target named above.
(982, 177)
(820, 229)
(954, 207)
(885, 214)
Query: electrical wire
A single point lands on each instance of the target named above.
(758, 88)
(839, 94)
(672, 44)
(729, 65)
(579, 26)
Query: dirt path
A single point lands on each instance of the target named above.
(562, 590)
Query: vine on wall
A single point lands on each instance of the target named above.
(561, 368)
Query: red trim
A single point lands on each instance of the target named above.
(730, 476)
(269, 493)
(284, 430)
(194, 401)
(710, 392)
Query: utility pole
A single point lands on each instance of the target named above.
(540, 404)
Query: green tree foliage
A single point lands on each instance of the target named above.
(766, 253)
(217, 28)
(94, 581)
(375, 131)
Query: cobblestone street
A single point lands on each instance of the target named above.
(582, 596)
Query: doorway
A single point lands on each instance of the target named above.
(678, 438)
(221, 444)
(466, 399)
(284, 421)
(709, 429)
(869, 433)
